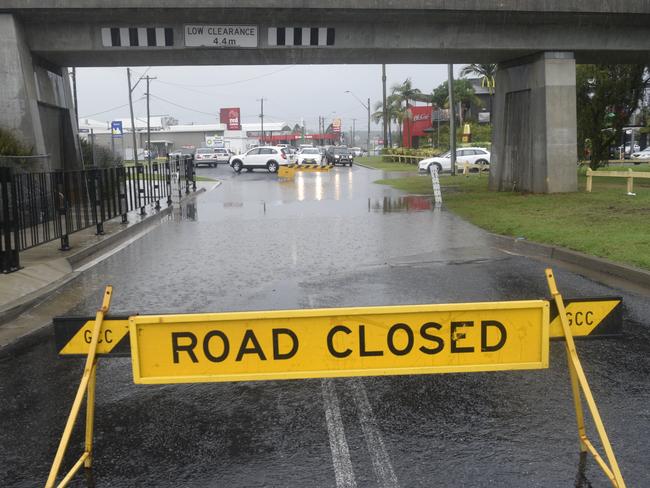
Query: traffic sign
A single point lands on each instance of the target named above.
(116, 129)
(73, 335)
(290, 344)
(588, 317)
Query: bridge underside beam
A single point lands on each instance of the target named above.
(535, 128)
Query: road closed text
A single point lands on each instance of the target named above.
(349, 342)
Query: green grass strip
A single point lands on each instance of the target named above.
(606, 223)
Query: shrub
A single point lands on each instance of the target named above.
(103, 156)
(11, 145)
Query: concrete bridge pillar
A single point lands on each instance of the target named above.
(36, 101)
(535, 126)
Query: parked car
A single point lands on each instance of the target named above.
(645, 154)
(267, 157)
(309, 155)
(181, 153)
(211, 156)
(472, 155)
(637, 148)
(339, 155)
(356, 151)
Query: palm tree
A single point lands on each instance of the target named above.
(395, 113)
(402, 94)
(486, 72)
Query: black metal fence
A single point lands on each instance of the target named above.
(39, 207)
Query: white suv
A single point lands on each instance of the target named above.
(267, 157)
(472, 155)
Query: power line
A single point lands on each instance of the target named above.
(183, 107)
(110, 109)
(230, 82)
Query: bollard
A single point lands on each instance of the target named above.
(435, 181)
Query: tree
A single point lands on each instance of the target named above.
(463, 94)
(396, 113)
(486, 72)
(483, 71)
(402, 95)
(606, 97)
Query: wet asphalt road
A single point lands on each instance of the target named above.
(326, 241)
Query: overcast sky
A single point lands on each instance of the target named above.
(291, 93)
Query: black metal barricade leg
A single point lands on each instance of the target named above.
(99, 201)
(62, 210)
(168, 178)
(156, 184)
(121, 188)
(193, 174)
(188, 175)
(9, 237)
(140, 183)
(178, 173)
(94, 190)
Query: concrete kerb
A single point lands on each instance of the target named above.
(66, 265)
(595, 264)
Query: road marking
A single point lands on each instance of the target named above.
(380, 461)
(338, 443)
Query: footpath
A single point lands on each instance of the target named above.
(45, 268)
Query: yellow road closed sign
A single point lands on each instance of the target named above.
(290, 344)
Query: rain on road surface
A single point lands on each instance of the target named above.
(325, 240)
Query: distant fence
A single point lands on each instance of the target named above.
(629, 175)
(40, 207)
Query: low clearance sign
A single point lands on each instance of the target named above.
(419, 339)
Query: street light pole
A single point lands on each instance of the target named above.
(384, 107)
(354, 128)
(368, 140)
(135, 145)
(148, 78)
(452, 118)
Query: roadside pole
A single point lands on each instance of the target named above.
(452, 119)
(384, 108)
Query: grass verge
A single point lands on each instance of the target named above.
(376, 162)
(606, 223)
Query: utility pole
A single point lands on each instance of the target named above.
(354, 129)
(368, 140)
(384, 107)
(452, 118)
(148, 78)
(261, 100)
(135, 145)
(320, 129)
(74, 94)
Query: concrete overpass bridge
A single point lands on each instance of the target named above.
(535, 43)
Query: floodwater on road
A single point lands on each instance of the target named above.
(325, 240)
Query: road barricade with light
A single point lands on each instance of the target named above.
(289, 170)
(339, 342)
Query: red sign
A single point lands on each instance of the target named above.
(336, 126)
(230, 117)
